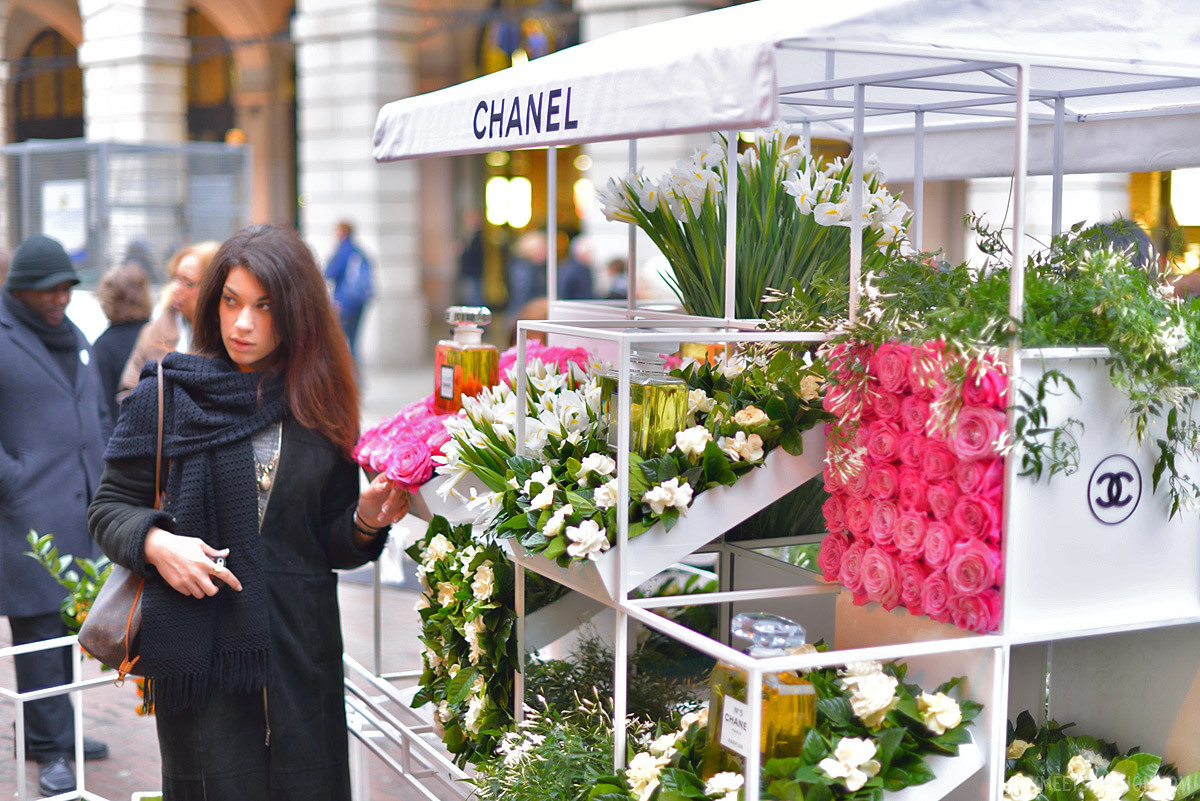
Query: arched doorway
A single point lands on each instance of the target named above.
(48, 90)
(210, 112)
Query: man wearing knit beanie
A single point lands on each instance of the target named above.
(53, 425)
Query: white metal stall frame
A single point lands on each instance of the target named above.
(894, 78)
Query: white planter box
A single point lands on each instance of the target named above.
(711, 514)
(426, 502)
(1075, 566)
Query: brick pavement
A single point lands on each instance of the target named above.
(109, 712)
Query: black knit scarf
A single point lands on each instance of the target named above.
(191, 645)
(59, 339)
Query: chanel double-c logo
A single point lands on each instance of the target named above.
(1114, 482)
(1114, 490)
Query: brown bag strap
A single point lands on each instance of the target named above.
(158, 454)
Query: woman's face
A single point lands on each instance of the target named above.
(187, 286)
(246, 325)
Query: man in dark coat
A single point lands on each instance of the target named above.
(53, 425)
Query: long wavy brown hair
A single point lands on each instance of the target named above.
(313, 357)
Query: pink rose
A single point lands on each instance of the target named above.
(910, 535)
(850, 571)
(835, 514)
(911, 491)
(977, 432)
(980, 477)
(883, 522)
(882, 438)
(410, 464)
(832, 482)
(912, 583)
(890, 366)
(914, 414)
(986, 384)
(880, 578)
(882, 480)
(840, 401)
(974, 567)
(886, 406)
(935, 597)
(976, 516)
(833, 549)
(980, 613)
(939, 544)
(856, 483)
(858, 516)
(942, 497)
(927, 370)
(937, 461)
(908, 449)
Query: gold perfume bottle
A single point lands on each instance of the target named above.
(789, 701)
(657, 408)
(464, 365)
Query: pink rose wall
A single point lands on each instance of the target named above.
(917, 522)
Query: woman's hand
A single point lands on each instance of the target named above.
(187, 563)
(382, 503)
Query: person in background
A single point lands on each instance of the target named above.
(470, 262)
(526, 271)
(172, 329)
(575, 273)
(241, 638)
(4, 261)
(353, 286)
(618, 280)
(124, 295)
(53, 424)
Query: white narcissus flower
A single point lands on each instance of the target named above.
(605, 496)
(939, 712)
(691, 441)
(1017, 749)
(853, 761)
(485, 582)
(587, 540)
(446, 592)
(873, 697)
(1160, 788)
(642, 774)
(1079, 770)
(554, 525)
(669, 494)
(1020, 787)
(750, 416)
(1109, 787)
(544, 499)
(599, 463)
(724, 784)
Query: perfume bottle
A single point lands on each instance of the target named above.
(789, 701)
(702, 352)
(657, 408)
(464, 365)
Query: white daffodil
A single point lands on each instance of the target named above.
(669, 494)
(853, 761)
(588, 540)
(554, 525)
(691, 441)
(599, 463)
(605, 496)
(939, 712)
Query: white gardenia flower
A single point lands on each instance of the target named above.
(485, 582)
(1079, 770)
(599, 463)
(446, 592)
(742, 447)
(810, 388)
(588, 540)
(700, 716)
(438, 548)
(1160, 788)
(1020, 787)
(474, 717)
(750, 416)
(544, 499)
(471, 632)
(554, 525)
(443, 712)
(422, 603)
(1017, 748)
(605, 496)
(698, 401)
(643, 772)
(853, 761)
(1091, 756)
(669, 494)
(1109, 787)
(543, 477)
(873, 697)
(665, 746)
(724, 783)
(691, 441)
(939, 712)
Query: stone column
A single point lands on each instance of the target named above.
(261, 100)
(5, 119)
(352, 57)
(611, 159)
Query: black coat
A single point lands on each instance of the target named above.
(52, 435)
(219, 751)
(110, 351)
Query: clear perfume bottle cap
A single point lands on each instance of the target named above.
(468, 315)
(767, 631)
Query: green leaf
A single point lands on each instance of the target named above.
(460, 686)
(1188, 786)
(555, 548)
(1147, 767)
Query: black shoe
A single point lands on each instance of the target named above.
(56, 777)
(94, 749)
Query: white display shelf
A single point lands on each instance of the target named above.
(712, 513)
(427, 502)
(950, 772)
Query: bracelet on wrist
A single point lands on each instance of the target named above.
(362, 526)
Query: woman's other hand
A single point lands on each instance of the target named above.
(188, 563)
(381, 504)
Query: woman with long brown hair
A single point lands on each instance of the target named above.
(240, 639)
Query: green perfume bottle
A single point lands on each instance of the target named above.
(789, 701)
(657, 408)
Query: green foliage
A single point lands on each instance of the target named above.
(82, 587)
